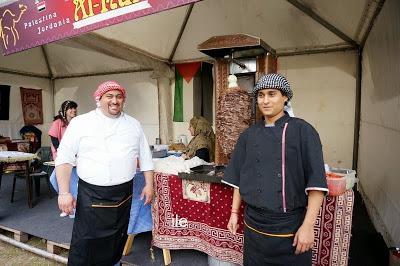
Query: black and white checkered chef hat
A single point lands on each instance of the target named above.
(274, 81)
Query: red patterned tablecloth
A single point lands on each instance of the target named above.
(206, 231)
(333, 231)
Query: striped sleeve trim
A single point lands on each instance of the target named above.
(318, 189)
(229, 184)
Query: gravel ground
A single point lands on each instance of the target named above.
(13, 256)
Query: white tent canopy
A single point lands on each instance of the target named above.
(320, 48)
(289, 27)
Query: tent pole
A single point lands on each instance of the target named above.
(92, 74)
(23, 73)
(314, 51)
(323, 22)
(120, 50)
(178, 39)
(34, 250)
(46, 59)
(357, 118)
(371, 23)
(164, 109)
(53, 87)
(357, 111)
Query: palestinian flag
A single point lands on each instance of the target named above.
(183, 103)
(40, 5)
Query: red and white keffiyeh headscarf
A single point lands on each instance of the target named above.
(108, 86)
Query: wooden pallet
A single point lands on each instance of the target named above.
(55, 248)
(18, 235)
(52, 247)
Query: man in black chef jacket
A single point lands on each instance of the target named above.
(277, 169)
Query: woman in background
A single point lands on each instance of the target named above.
(65, 114)
(202, 144)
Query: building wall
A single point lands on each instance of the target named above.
(324, 87)
(379, 151)
(11, 127)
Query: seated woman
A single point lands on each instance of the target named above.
(202, 144)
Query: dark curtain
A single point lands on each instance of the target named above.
(203, 92)
(4, 102)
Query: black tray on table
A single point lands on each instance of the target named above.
(206, 173)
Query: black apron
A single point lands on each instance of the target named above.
(268, 238)
(101, 223)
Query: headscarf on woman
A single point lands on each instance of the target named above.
(62, 113)
(204, 137)
(59, 125)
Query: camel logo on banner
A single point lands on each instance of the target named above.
(8, 22)
(40, 5)
(30, 23)
(89, 12)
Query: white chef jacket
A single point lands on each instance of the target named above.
(105, 149)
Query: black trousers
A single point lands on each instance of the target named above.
(101, 223)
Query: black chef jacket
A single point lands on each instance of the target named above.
(273, 167)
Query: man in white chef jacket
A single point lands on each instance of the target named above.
(105, 144)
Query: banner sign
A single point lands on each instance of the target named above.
(29, 23)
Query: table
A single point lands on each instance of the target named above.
(10, 157)
(140, 219)
(180, 223)
(333, 230)
(206, 222)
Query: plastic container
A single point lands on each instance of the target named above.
(349, 174)
(336, 183)
(394, 256)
